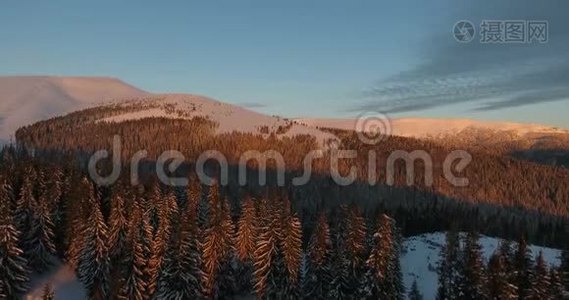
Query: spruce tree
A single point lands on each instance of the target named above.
(523, 268)
(118, 224)
(134, 281)
(180, 278)
(318, 275)
(245, 244)
(167, 212)
(93, 265)
(340, 263)
(474, 273)
(383, 278)
(40, 239)
(291, 248)
(499, 286)
(540, 280)
(14, 273)
(450, 270)
(556, 288)
(217, 250)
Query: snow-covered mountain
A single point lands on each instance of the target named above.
(28, 99)
(419, 260)
(228, 117)
(424, 127)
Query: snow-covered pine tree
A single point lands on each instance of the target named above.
(556, 288)
(40, 239)
(93, 265)
(133, 282)
(245, 244)
(318, 275)
(118, 235)
(499, 286)
(450, 270)
(266, 249)
(475, 280)
(540, 280)
(291, 247)
(383, 278)
(523, 268)
(564, 268)
(118, 224)
(217, 249)
(48, 293)
(414, 293)
(77, 214)
(182, 260)
(14, 273)
(167, 212)
(25, 206)
(340, 263)
(356, 248)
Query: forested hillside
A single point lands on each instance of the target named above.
(504, 197)
(152, 241)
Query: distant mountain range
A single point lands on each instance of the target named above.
(25, 100)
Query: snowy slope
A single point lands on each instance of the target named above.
(27, 99)
(420, 259)
(423, 127)
(229, 117)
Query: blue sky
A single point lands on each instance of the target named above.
(300, 58)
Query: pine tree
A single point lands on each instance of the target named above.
(167, 212)
(182, 260)
(414, 293)
(450, 270)
(48, 293)
(217, 250)
(499, 286)
(564, 268)
(318, 275)
(245, 244)
(118, 225)
(343, 255)
(523, 268)
(355, 239)
(266, 255)
(540, 280)
(134, 281)
(291, 247)
(474, 273)
(14, 274)
(93, 266)
(79, 201)
(556, 289)
(383, 279)
(40, 239)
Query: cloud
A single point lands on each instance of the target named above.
(455, 73)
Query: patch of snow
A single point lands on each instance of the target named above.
(423, 127)
(229, 117)
(28, 99)
(421, 256)
(63, 281)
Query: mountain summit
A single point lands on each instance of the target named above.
(27, 99)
